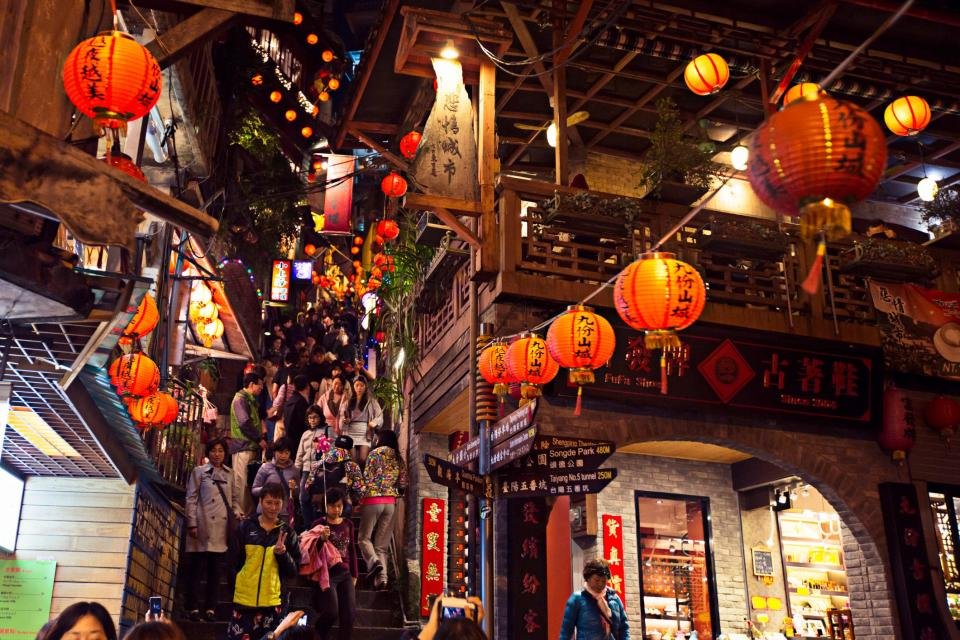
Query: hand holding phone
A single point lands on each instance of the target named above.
(451, 608)
(156, 608)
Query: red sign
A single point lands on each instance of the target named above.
(338, 196)
(280, 281)
(432, 551)
(613, 553)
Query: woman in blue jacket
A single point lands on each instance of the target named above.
(596, 612)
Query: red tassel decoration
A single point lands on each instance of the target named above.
(663, 372)
(579, 406)
(811, 284)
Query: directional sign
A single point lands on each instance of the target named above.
(466, 453)
(562, 453)
(524, 484)
(513, 424)
(450, 475)
(513, 449)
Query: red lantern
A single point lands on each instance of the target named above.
(126, 164)
(379, 259)
(814, 159)
(290, 115)
(529, 361)
(276, 96)
(907, 116)
(156, 410)
(492, 364)
(899, 432)
(309, 250)
(112, 79)
(943, 414)
(136, 375)
(380, 336)
(706, 74)
(409, 144)
(327, 55)
(144, 320)
(389, 229)
(358, 240)
(394, 186)
(581, 341)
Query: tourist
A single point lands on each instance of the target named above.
(208, 510)
(333, 403)
(308, 457)
(337, 604)
(361, 417)
(469, 629)
(334, 371)
(155, 630)
(83, 621)
(295, 409)
(282, 471)
(285, 373)
(338, 468)
(384, 477)
(459, 629)
(596, 612)
(248, 438)
(266, 551)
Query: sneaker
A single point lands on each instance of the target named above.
(375, 569)
(194, 614)
(380, 585)
(210, 615)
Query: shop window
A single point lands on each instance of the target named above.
(678, 592)
(945, 503)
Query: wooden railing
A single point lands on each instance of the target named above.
(177, 449)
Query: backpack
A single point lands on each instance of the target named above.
(325, 477)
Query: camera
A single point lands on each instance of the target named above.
(451, 608)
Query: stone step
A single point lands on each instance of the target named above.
(378, 617)
(217, 630)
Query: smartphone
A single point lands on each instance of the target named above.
(451, 608)
(302, 622)
(156, 605)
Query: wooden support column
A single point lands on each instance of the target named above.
(176, 42)
(561, 166)
(487, 263)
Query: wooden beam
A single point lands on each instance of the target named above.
(652, 93)
(182, 37)
(448, 218)
(895, 172)
(384, 128)
(391, 157)
(427, 201)
(274, 9)
(560, 156)
(573, 31)
(824, 13)
(488, 256)
(529, 46)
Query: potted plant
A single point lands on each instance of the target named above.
(743, 237)
(890, 260)
(942, 214)
(208, 374)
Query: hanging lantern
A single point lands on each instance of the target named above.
(210, 331)
(200, 293)
(306, 132)
(136, 375)
(126, 164)
(907, 116)
(334, 84)
(803, 90)
(309, 250)
(394, 186)
(154, 411)
(943, 414)
(706, 74)
(256, 80)
(324, 96)
(297, 18)
(581, 341)
(112, 79)
(899, 432)
(814, 159)
(409, 144)
(312, 39)
(327, 55)
(290, 115)
(529, 361)
(144, 320)
(492, 364)
(389, 229)
(203, 312)
(276, 96)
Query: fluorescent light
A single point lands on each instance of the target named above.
(38, 433)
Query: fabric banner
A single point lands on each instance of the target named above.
(527, 572)
(431, 552)
(613, 553)
(921, 329)
(446, 160)
(338, 196)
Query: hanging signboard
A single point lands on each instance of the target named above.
(302, 269)
(613, 553)
(338, 195)
(562, 452)
(513, 423)
(26, 591)
(454, 477)
(513, 449)
(527, 568)
(280, 281)
(431, 552)
(523, 484)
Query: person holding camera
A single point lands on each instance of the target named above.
(337, 604)
(384, 478)
(596, 612)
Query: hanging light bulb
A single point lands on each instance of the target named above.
(739, 157)
(552, 134)
(927, 189)
(449, 52)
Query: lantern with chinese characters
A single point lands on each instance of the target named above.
(388, 229)
(144, 320)
(814, 159)
(409, 144)
(529, 361)
(907, 116)
(706, 74)
(126, 164)
(154, 411)
(800, 91)
(899, 431)
(112, 79)
(943, 414)
(492, 364)
(394, 186)
(582, 341)
(136, 375)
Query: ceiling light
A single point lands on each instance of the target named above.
(37, 432)
(552, 134)
(739, 157)
(449, 52)
(927, 189)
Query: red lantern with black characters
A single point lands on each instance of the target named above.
(409, 144)
(529, 361)
(899, 429)
(581, 341)
(943, 414)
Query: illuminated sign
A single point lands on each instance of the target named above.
(302, 269)
(280, 281)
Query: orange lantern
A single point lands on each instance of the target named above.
(156, 410)
(529, 361)
(136, 375)
(112, 79)
(126, 164)
(210, 331)
(581, 341)
(275, 96)
(290, 115)
(492, 364)
(312, 39)
(257, 80)
(409, 144)
(200, 293)
(355, 250)
(814, 159)
(144, 320)
(907, 116)
(203, 312)
(324, 96)
(394, 186)
(327, 55)
(802, 90)
(297, 18)
(309, 250)
(706, 74)
(334, 84)
(306, 132)
(389, 229)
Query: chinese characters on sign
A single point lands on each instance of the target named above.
(280, 281)
(527, 559)
(337, 204)
(613, 553)
(522, 484)
(432, 552)
(26, 590)
(302, 269)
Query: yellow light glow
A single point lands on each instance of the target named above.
(37, 432)
(927, 189)
(739, 157)
(552, 134)
(449, 52)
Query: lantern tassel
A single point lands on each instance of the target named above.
(663, 372)
(661, 339)
(579, 406)
(811, 284)
(827, 216)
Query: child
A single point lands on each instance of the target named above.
(339, 601)
(308, 458)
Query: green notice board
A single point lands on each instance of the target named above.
(26, 588)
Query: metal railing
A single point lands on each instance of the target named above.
(178, 448)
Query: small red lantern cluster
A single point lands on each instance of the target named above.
(388, 230)
(126, 164)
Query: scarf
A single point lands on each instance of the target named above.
(605, 614)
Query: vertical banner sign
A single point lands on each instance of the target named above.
(26, 590)
(431, 552)
(613, 553)
(527, 558)
(280, 281)
(338, 196)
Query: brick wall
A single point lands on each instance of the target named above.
(870, 597)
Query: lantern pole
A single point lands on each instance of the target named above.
(481, 428)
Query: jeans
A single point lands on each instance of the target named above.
(376, 527)
(242, 501)
(337, 605)
(199, 565)
(306, 507)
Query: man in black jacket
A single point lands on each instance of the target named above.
(295, 410)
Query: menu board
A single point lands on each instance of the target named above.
(26, 589)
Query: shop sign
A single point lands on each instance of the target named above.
(26, 590)
(280, 281)
(613, 553)
(455, 477)
(513, 449)
(302, 269)
(431, 552)
(527, 572)
(338, 196)
(757, 374)
(513, 423)
(562, 452)
(522, 484)
(466, 453)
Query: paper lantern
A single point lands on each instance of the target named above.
(276, 96)
(899, 432)
(389, 229)
(297, 18)
(492, 364)
(290, 115)
(256, 80)
(203, 312)
(394, 186)
(309, 250)
(814, 159)
(907, 116)
(327, 55)
(803, 90)
(200, 293)
(112, 79)
(156, 410)
(581, 341)
(312, 39)
(306, 132)
(943, 414)
(136, 375)
(324, 96)
(409, 144)
(334, 84)
(126, 164)
(529, 361)
(210, 331)
(706, 74)
(144, 320)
